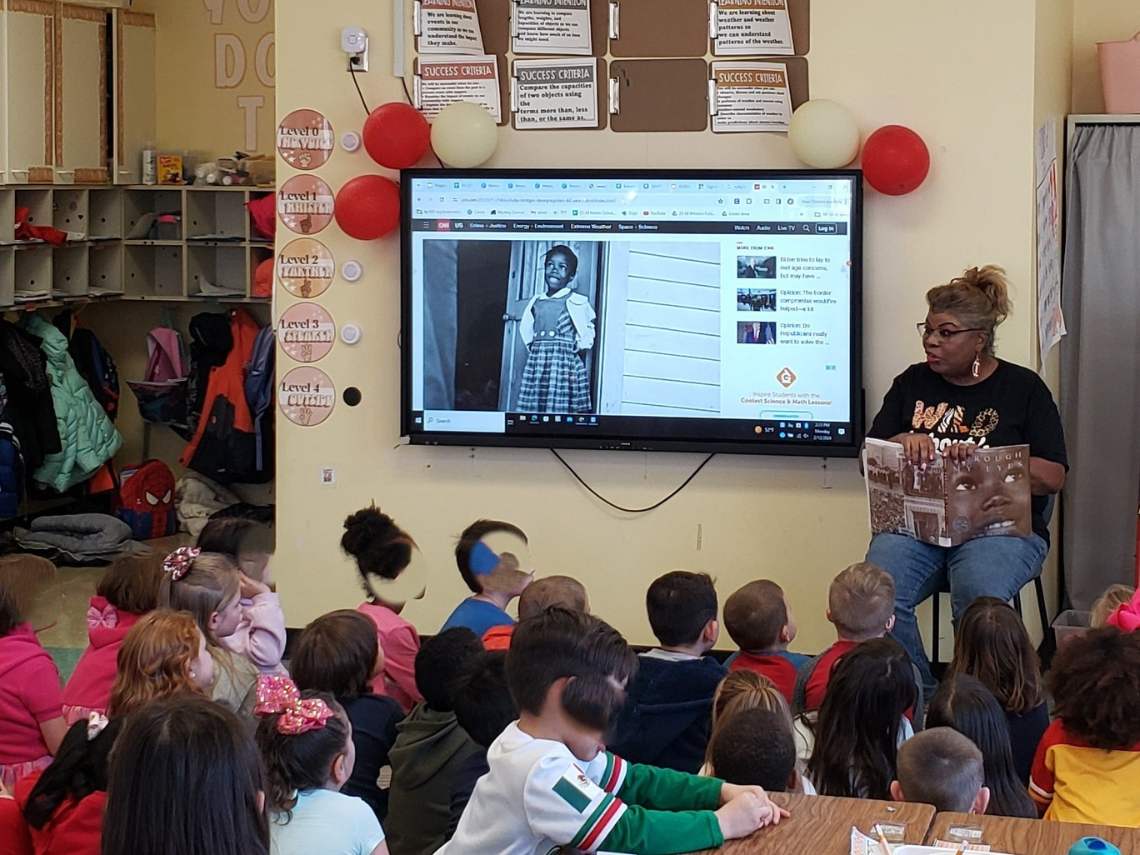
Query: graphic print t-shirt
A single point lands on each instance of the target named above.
(1012, 406)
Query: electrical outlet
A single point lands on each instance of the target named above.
(359, 61)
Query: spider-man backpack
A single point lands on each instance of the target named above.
(147, 500)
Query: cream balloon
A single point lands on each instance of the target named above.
(464, 135)
(824, 134)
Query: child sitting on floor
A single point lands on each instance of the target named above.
(538, 596)
(306, 740)
(1087, 767)
(756, 746)
(337, 653)
(667, 715)
(164, 656)
(383, 551)
(553, 784)
(1113, 598)
(430, 747)
(760, 622)
(861, 605)
(941, 767)
(260, 634)
(494, 560)
(126, 591)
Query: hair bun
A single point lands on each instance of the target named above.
(364, 528)
(992, 281)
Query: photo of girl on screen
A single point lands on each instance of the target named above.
(557, 328)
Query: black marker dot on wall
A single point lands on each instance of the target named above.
(352, 396)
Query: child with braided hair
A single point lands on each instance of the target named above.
(306, 740)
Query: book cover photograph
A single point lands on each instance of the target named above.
(949, 502)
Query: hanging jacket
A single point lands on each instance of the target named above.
(92, 361)
(89, 439)
(11, 472)
(211, 341)
(30, 409)
(224, 446)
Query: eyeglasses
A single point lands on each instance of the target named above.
(926, 332)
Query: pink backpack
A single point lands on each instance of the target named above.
(161, 393)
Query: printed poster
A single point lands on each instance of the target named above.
(305, 139)
(1050, 320)
(947, 502)
(307, 332)
(555, 93)
(551, 26)
(306, 268)
(448, 27)
(306, 396)
(442, 81)
(752, 27)
(306, 204)
(750, 96)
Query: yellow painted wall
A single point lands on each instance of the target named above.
(969, 90)
(1097, 21)
(215, 74)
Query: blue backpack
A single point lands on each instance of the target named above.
(260, 388)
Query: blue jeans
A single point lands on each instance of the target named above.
(983, 567)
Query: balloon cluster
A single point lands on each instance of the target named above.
(824, 135)
(397, 136)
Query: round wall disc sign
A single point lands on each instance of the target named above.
(305, 139)
(306, 396)
(306, 268)
(307, 332)
(305, 204)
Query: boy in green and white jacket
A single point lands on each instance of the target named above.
(553, 784)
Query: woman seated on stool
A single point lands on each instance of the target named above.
(963, 398)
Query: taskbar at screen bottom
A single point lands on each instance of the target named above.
(601, 431)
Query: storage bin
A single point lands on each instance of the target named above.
(1070, 624)
(1120, 75)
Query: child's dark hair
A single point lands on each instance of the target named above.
(483, 703)
(559, 644)
(132, 581)
(235, 536)
(185, 779)
(857, 733)
(11, 612)
(300, 762)
(992, 644)
(336, 653)
(78, 770)
(439, 663)
(472, 535)
(680, 605)
(381, 548)
(209, 583)
(941, 767)
(755, 746)
(963, 703)
(1096, 687)
(755, 614)
(567, 253)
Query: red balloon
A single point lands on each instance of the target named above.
(368, 207)
(396, 135)
(895, 160)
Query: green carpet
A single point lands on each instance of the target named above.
(65, 659)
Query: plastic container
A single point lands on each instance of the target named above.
(1093, 846)
(150, 164)
(1070, 624)
(1120, 75)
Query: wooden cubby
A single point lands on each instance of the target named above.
(114, 254)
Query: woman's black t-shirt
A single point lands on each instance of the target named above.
(1012, 406)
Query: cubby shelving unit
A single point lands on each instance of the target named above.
(132, 243)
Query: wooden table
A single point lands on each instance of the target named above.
(821, 825)
(1033, 836)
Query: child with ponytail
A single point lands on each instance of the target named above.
(208, 586)
(306, 741)
(383, 551)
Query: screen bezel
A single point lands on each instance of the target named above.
(625, 443)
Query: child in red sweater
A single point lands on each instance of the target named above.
(126, 592)
(760, 621)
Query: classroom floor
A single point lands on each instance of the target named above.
(59, 614)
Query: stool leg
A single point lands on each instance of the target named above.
(1017, 604)
(1042, 606)
(934, 634)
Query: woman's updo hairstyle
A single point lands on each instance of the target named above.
(380, 547)
(979, 298)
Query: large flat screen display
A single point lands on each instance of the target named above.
(681, 310)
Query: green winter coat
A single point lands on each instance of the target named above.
(89, 439)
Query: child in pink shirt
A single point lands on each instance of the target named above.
(31, 706)
(382, 549)
(127, 591)
(260, 634)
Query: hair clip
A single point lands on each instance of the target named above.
(178, 562)
(279, 696)
(96, 724)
